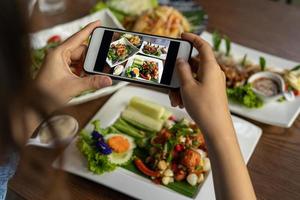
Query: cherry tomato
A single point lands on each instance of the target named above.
(172, 117)
(53, 39)
(178, 147)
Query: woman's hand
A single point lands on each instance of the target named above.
(204, 97)
(206, 101)
(55, 76)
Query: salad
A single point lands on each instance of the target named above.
(148, 140)
(145, 69)
(238, 72)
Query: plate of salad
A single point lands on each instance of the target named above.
(240, 64)
(50, 38)
(144, 68)
(119, 52)
(139, 145)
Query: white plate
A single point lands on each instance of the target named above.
(275, 113)
(127, 43)
(145, 58)
(134, 185)
(39, 39)
(162, 56)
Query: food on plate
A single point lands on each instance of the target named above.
(105, 149)
(149, 140)
(145, 69)
(293, 78)
(118, 52)
(266, 86)
(153, 49)
(118, 70)
(245, 96)
(133, 39)
(237, 73)
(162, 20)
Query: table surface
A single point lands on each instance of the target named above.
(261, 24)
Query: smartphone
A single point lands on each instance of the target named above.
(135, 57)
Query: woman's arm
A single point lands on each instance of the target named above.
(205, 100)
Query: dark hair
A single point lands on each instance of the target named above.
(17, 92)
(14, 63)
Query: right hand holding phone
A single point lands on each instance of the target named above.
(204, 97)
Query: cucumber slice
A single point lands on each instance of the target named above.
(120, 158)
(147, 107)
(134, 116)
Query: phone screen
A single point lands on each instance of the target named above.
(139, 57)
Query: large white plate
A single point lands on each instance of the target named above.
(279, 114)
(135, 185)
(39, 39)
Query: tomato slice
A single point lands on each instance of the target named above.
(54, 39)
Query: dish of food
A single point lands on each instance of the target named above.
(238, 64)
(119, 51)
(168, 151)
(154, 50)
(125, 114)
(144, 68)
(238, 72)
(162, 20)
(133, 39)
(147, 16)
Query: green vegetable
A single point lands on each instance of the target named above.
(227, 45)
(217, 39)
(295, 68)
(245, 96)
(147, 107)
(97, 163)
(131, 7)
(137, 117)
(126, 128)
(243, 63)
(262, 63)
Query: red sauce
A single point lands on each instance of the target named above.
(266, 86)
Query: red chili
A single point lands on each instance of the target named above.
(143, 168)
(53, 39)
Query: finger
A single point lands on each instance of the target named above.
(194, 63)
(184, 72)
(78, 38)
(79, 53)
(204, 49)
(173, 98)
(93, 82)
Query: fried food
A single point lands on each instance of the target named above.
(162, 20)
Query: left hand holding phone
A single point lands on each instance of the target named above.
(55, 76)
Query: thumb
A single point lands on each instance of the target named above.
(184, 72)
(93, 82)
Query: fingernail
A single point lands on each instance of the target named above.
(106, 82)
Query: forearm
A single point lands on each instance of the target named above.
(230, 174)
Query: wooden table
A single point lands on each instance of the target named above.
(261, 24)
